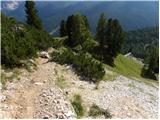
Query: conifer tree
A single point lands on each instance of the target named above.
(86, 21)
(153, 60)
(77, 30)
(32, 15)
(63, 31)
(101, 28)
(70, 28)
(114, 37)
(151, 66)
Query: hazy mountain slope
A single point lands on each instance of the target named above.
(132, 15)
(140, 41)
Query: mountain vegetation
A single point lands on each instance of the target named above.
(63, 31)
(32, 16)
(79, 48)
(110, 36)
(151, 67)
(21, 41)
(140, 42)
(131, 14)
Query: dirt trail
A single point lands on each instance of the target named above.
(36, 95)
(21, 95)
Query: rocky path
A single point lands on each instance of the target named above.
(123, 97)
(38, 95)
(35, 95)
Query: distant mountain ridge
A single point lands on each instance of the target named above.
(132, 15)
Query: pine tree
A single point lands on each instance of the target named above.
(70, 28)
(114, 37)
(101, 28)
(77, 30)
(153, 60)
(151, 66)
(110, 36)
(86, 22)
(63, 31)
(32, 15)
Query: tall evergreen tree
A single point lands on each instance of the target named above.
(110, 36)
(153, 60)
(86, 21)
(63, 31)
(101, 28)
(114, 39)
(151, 66)
(32, 15)
(70, 28)
(77, 30)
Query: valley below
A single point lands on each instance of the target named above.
(47, 92)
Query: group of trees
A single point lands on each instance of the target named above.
(83, 63)
(108, 41)
(151, 66)
(77, 29)
(140, 41)
(143, 43)
(109, 36)
(21, 41)
(90, 51)
(79, 42)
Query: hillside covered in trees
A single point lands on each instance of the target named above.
(21, 41)
(140, 42)
(78, 74)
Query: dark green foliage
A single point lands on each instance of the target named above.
(84, 63)
(151, 66)
(63, 30)
(86, 21)
(20, 41)
(101, 29)
(70, 26)
(110, 37)
(77, 30)
(43, 40)
(59, 42)
(63, 56)
(114, 38)
(90, 67)
(32, 15)
(139, 42)
(16, 43)
(97, 111)
(77, 105)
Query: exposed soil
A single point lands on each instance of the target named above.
(37, 95)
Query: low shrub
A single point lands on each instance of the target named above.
(97, 111)
(90, 67)
(83, 63)
(61, 82)
(77, 105)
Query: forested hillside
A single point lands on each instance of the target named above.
(21, 41)
(131, 14)
(77, 74)
(139, 42)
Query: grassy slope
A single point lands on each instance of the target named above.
(129, 68)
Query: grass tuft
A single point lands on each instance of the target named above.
(61, 82)
(77, 105)
(97, 111)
